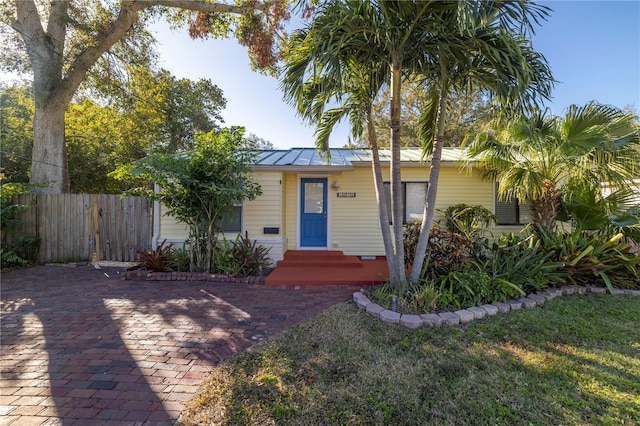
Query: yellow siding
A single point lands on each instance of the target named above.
(170, 229)
(291, 211)
(266, 209)
(462, 186)
(353, 222)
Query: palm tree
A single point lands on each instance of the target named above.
(551, 160)
(338, 80)
(391, 40)
(343, 57)
(493, 55)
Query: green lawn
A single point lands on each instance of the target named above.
(574, 361)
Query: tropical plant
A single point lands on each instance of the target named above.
(447, 252)
(552, 160)
(158, 259)
(422, 297)
(416, 298)
(353, 49)
(587, 258)
(471, 221)
(199, 188)
(224, 259)
(590, 208)
(523, 263)
(466, 288)
(179, 258)
(493, 55)
(251, 257)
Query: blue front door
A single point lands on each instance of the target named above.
(313, 212)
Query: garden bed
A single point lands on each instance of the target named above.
(146, 275)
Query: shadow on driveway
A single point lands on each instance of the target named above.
(82, 346)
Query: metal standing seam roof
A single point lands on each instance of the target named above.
(344, 157)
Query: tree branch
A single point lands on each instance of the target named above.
(123, 23)
(28, 25)
(103, 42)
(57, 30)
(202, 6)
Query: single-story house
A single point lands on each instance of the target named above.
(309, 203)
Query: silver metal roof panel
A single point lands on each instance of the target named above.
(341, 157)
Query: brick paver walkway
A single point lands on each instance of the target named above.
(82, 346)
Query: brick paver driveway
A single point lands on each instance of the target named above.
(82, 346)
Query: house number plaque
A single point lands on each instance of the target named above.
(346, 195)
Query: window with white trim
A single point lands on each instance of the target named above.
(414, 197)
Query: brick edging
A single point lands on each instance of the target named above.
(463, 316)
(141, 275)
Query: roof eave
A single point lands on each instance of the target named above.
(306, 169)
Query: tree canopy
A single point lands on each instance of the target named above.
(62, 43)
(16, 131)
(468, 112)
(112, 124)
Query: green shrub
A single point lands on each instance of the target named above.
(447, 251)
(410, 235)
(423, 298)
(9, 259)
(416, 298)
(178, 258)
(382, 294)
(25, 246)
(21, 248)
(224, 259)
(523, 263)
(594, 259)
(462, 289)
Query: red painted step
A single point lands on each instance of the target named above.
(327, 268)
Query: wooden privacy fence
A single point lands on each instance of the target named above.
(87, 227)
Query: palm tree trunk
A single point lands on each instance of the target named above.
(381, 199)
(545, 208)
(396, 178)
(434, 176)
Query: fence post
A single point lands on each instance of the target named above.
(96, 229)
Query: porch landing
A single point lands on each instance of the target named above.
(317, 267)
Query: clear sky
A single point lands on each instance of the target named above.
(593, 48)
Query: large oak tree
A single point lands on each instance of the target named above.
(61, 41)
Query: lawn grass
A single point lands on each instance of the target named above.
(574, 361)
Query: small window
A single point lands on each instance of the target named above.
(233, 224)
(414, 197)
(512, 212)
